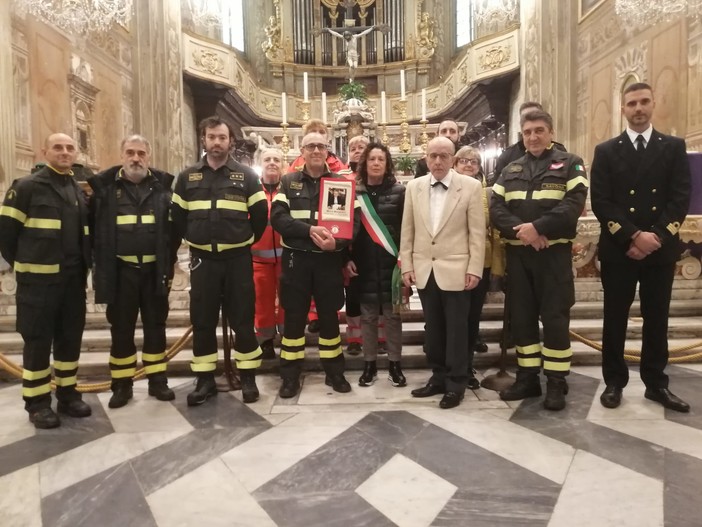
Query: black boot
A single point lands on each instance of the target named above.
(354, 348)
(158, 387)
(249, 390)
(395, 375)
(204, 389)
(121, 393)
(556, 390)
(369, 375)
(289, 388)
(526, 385)
(268, 350)
(70, 402)
(338, 382)
(44, 418)
(480, 346)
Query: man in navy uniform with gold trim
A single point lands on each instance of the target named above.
(219, 207)
(640, 195)
(44, 235)
(130, 211)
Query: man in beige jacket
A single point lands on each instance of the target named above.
(441, 251)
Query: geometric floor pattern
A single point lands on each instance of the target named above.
(375, 457)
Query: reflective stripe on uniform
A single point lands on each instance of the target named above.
(248, 364)
(29, 375)
(176, 199)
(122, 374)
(548, 194)
(498, 189)
(42, 223)
(66, 381)
(65, 366)
(86, 230)
(577, 180)
(147, 258)
(153, 357)
(515, 194)
(226, 246)
(529, 356)
(292, 355)
(117, 361)
(300, 214)
(36, 390)
(13, 213)
(231, 205)
(155, 368)
(21, 267)
(329, 342)
(330, 354)
(292, 342)
(255, 198)
(556, 360)
(203, 204)
(281, 197)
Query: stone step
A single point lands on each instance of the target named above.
(99, 340)
(180, 318)
(95, 365)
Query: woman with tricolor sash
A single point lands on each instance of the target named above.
(374, 260)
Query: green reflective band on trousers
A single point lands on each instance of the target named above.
(206, 363)
(556, 360)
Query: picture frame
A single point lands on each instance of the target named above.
(336, 206)
(587, 7)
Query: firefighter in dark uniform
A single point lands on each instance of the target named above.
(535, 205)
(44, 235)
(130, 223)
(312, 268)
(220, 209)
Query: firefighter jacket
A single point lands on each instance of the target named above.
(133, 229)
(32, 237)
(294, 211)
(218, 212)
(268, 248)
(548, 191)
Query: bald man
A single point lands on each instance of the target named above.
(442, 248)
(44, 236)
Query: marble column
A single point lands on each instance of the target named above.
(158, 81)
(7, 105)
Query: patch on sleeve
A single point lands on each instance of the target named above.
(236, 176)
(296, 185)
(613, 227)
(196, 176)
(555, 166)
(515, 168)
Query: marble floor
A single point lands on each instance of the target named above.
(375, 457)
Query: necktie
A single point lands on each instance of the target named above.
(439, 184)
(640, 144)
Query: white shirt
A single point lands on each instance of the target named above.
(437, 198)
(646, 135)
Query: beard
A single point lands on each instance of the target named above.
(135, 173)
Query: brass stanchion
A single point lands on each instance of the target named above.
(229, 380)
(502, 380)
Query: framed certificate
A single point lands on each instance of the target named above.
(336, 204)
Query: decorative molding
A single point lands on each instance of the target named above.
(495, 57)
(209, 61)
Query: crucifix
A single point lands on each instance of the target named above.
(350, 34)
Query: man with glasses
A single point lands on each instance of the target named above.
(312, 268)
(442, 247)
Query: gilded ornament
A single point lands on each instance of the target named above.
(495, 57)
(208, 61)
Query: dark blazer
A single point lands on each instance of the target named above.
(650, 193)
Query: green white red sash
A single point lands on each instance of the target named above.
(374, 225)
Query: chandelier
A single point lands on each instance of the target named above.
(648, 12)
(79, 17)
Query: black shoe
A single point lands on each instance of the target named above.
(611, 397)
(204, 389)
(667, 399)
(74, 408)
(395, 375)
(450, 400)
(556, 390)
(44, 418)
(268, 350)
(369, 375)
(289, 388)
(313, 327)
(428, 390)
(472, 383)
(121, 393)
(480, 347)
(526, 385)
(249, 390)
(354, 348)
(338, 383)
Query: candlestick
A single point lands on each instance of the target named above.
(424, 104)
(285, 141)
(402, 85)
(383, 114)
(324, 107)
(424, 138)
(405, 145)
(305, 89)
(284, 106)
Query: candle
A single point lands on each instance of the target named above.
(383, 115)
(284, 106)
(305, 89)
(402, 85)
(424, 104)
(324, 107)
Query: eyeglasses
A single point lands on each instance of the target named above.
(315, 146)
(466, 161)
